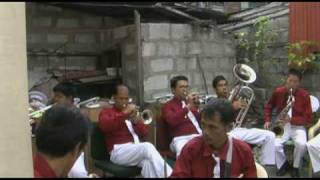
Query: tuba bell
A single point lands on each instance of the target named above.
(245, 75)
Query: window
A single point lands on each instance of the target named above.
(250, 5)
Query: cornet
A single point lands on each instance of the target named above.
(146, 115)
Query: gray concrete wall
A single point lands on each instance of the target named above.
(49, 27)
(15, 133)
(171, 49)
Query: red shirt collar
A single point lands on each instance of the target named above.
(208, 151)
(177, 100)
(42, 168)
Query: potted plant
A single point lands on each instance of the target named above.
(299, 57)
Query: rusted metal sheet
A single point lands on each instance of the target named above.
(304, 20)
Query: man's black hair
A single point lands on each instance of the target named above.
(67, 88)
(295, 72)
(60, 130)
(115, 88)
(217, 79)
(221, 106)
(175, 79)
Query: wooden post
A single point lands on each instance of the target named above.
(139, 59)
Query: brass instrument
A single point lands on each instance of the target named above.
(245, 75)
(39, 113)
(279, 124)
(146, 115)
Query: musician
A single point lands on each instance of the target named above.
(122, 129)
(295, 125)
(206, 156)
(263, 138)
(60, 139)
(181, 114)
(313, 147)
(64, 93)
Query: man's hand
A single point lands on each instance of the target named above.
(130, 109)
(238, 104)
(267, 125)
(136, 119)
(191, 98)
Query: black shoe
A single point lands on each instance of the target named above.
(295, 173)
(284, 169)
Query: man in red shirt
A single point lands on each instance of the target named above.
(260, 137)
(122, 129)
(60, 139)
(295, 122)
(181, 114)
(215, 154)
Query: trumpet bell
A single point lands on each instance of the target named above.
(146, 115)
(244, 73)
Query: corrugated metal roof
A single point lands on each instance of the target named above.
(149, 11)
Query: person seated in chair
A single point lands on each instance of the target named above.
(214, 153)
(60, 139)
(181, 114)
(293, 123)
(313, 147)
(252, 136)
(64, 93)
(122, 129)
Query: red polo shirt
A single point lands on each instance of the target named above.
(196, 161)
(112, 124)
(176, 117)
(301, 110)
(41, 168)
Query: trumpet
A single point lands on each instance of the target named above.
(195, 99)
(278, 126)
(39, 113)
(146, 115)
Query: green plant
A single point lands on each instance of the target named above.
(298, 56)
(255, 47)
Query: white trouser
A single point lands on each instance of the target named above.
(263, 138)
(178, 143)
(313, 147)
(299, 137)
(143, 155)
(78, 169)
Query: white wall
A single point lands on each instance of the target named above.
(15, 135)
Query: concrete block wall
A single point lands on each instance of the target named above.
(276, 52)
(49, 27)
(172, 49)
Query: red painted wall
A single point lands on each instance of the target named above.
(304, 22)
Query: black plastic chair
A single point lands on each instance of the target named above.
(101, 158)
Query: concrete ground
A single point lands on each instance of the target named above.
(272, 169)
